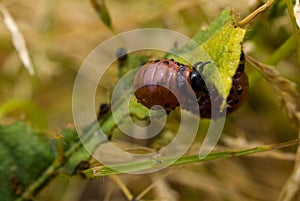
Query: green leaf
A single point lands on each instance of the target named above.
(224, 18)
(25, 154)
(30, 159)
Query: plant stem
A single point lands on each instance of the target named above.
(262, 8)
(174, 161)
(282, 52)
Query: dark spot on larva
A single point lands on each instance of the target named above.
(167, 105)
(173, 108)
(177, 104)
(172, 59)
(177, 63)
(166, 62)
(156, 61)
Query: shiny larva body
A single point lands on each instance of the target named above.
(163, 82)
(158, 83)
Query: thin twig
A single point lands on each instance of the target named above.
(122, 186)
(150, 187)
(255, 13)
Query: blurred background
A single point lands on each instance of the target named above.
(59, 36)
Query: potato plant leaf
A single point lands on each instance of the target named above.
(30, 159)
(25, 154)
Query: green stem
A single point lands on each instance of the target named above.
(174, 161)
(288, 47)
(282, 52)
